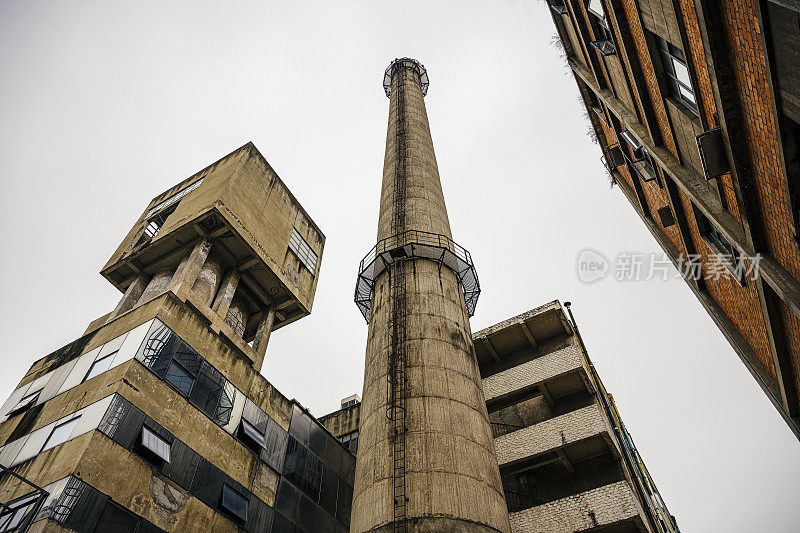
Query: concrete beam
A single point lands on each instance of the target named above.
(491, 349)
(528, 334)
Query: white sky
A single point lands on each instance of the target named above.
(102, 107)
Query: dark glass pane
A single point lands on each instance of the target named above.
(275, 442)
(179, 378)
(317, 439)
(303, 469)
(208, 390)
(187, 357)
(116, 519)
(300, 426)
(343, 501)
(286, 500)
(234, 503)
(156, 350)
(282, 525)
(329, 490)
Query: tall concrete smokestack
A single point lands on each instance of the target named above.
(425, 459)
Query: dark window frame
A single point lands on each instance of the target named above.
(604, 38)
(227, 508)
(247, 438)
(671, 56)
(142, 449)
(186, 371)
(23, 405)
(720, 246)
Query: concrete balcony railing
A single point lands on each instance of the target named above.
(533, 372)
(594, 508)
(549, 435)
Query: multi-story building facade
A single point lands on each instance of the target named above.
(696, 106)
(157, 418)
(566, 460)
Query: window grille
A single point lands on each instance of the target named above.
(174, 198)
(152, 442)
(303, 251)
(15, 512)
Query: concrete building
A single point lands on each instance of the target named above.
(696, 106)
(566, 460)
(156, 418)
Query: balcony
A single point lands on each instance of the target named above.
(584, 511)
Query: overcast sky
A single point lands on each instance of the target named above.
(105, 105)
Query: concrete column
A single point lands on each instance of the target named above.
(451, 478)
(263, 333)
(188, 270)
(157, 285)
(131, 296)
(205, 286)
(226, 291)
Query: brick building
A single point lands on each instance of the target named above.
(157, 418)
(566, 460)
(696, 107)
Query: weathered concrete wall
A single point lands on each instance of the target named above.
(451, 471)
(343, 421)
(593, 508)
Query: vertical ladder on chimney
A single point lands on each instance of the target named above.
(397, 384)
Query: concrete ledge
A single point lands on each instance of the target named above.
(532, 372)
(549, 435)
(594, 508)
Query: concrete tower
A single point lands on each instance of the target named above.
(426, 460)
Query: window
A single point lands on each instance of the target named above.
(180, 378)
(303, 251)
(720, 246)
(251, 437)
(641, 157)
(174, 198)
(558, 6)
(154, 226)
(233, 503)
(790, 135)
(14, 512)
(154, 445)
(25, 403)
(676, 73)
(350, 441)
(597, 17)
(100, 366)
(60, 434)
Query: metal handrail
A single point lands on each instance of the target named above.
(416, 244)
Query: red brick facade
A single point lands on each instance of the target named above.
(747, 209)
